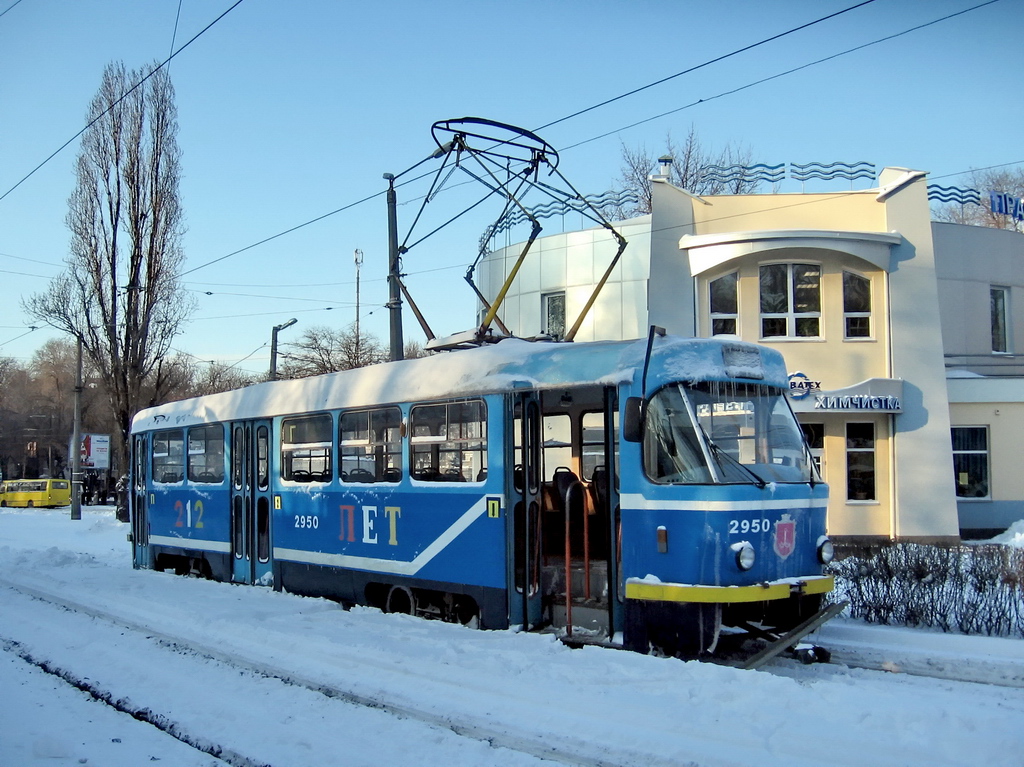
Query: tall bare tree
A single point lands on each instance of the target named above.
(985, 181)
(691, 162)
(120, 293)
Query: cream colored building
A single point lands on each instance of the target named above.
(871, 304)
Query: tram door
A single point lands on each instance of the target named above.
(139, 501)
(250, 502)
(525, 605)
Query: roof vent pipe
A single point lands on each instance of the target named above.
(664, 168)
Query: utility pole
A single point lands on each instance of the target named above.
(394, 271)
(76, 442)
(273, 346)
(359, 264)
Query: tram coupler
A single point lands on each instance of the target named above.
(788, 641)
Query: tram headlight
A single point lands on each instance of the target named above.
(826, 551)
(745, 555)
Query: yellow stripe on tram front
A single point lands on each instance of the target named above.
(758, 592)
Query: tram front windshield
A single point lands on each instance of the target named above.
(727, 432)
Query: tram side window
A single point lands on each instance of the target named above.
(593, 442)
(169, 456)
(557, 444)
(306, 448)
(371, 445)
(206, 454)
(449, 442)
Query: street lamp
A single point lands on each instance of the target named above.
(359, 264)
(273, 346)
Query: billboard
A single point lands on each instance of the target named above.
(96, 451)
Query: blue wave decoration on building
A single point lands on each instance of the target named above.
(560, 208)
(746, 174)
(831, 171)
(563, 207)
(957, 194)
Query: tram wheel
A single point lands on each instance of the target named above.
(30, 504)
(465, 611)
(400, 600)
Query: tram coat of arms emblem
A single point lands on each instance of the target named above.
(785, 536)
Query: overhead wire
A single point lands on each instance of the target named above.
(707, 63)
(625, 95)
(125, 95)
(549, 124)
(255, 295)
(8, 8)
(31, 329)
(782, 74)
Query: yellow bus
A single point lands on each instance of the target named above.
(36, 492)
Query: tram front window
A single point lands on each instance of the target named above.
(672, 451)
(746, 430)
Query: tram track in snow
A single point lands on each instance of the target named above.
(124, 706)
(495, 736)
(210, 631)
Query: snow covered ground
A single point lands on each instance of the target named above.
(260, 678)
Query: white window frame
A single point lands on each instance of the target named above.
(817, 453)
(1005, 341)
(545, 303)
(987, 452)
(873, 450)
(733, 316)
(852, 315)
(790, 315)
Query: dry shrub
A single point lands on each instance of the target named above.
(964, 589)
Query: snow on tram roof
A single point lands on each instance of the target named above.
(510, 364)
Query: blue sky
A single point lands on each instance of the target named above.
(291, 110)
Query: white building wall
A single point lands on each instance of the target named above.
(922, 453)
(573, 263)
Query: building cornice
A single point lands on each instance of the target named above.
(708, 251)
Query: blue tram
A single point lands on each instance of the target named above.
(648, 493)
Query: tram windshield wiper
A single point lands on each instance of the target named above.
(720, 452)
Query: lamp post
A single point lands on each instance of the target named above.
(273, 346)
(359, 264)
(76, 442)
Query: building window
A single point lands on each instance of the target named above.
(970, 461)
(999, 299)
(371, 445)
(306, 445)
(814, 433)
(860, 462)
(790, 300)
(553, 308)
(856, 305)
(724, 305)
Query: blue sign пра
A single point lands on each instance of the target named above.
(1006, 205)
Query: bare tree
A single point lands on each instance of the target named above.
(985, 181)
(216, 377)
(36, 410)
(327, 350)
(414, 350)
(120, 293)
(691, 162)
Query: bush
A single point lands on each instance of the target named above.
(965, 589)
